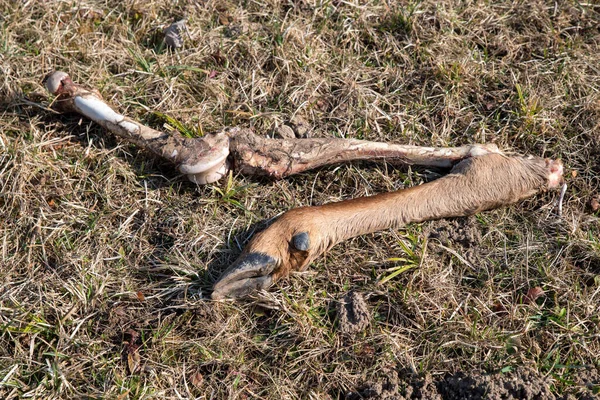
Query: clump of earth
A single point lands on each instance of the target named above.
(463, 231)
(353, 313)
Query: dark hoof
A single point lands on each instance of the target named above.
(249, 273)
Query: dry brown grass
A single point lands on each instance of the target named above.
(108, 254)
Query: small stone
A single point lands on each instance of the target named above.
(300, 127)
(173, 37)
(285, 132)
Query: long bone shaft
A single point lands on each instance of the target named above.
(207, 159)
(278, 158)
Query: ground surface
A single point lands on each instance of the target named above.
(108, 255)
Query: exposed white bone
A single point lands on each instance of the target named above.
(481, 150)
(55, 80)
(129, 126)
(212, 175)
(206, 164)
(97, 110)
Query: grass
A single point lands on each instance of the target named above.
(108, 254)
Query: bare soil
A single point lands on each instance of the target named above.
(455, 231)
(520, 384)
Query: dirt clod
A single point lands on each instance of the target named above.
(459, 230)
(353, 313)
(595, 203)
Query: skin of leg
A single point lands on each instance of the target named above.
(300, 235)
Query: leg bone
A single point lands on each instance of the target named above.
(279, 158)
(205, 160)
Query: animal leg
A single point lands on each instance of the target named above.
(300, 235)
(482, 179)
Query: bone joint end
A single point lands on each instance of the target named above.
(211, 175)
(53, 81)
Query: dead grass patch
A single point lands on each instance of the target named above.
(107, 254)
